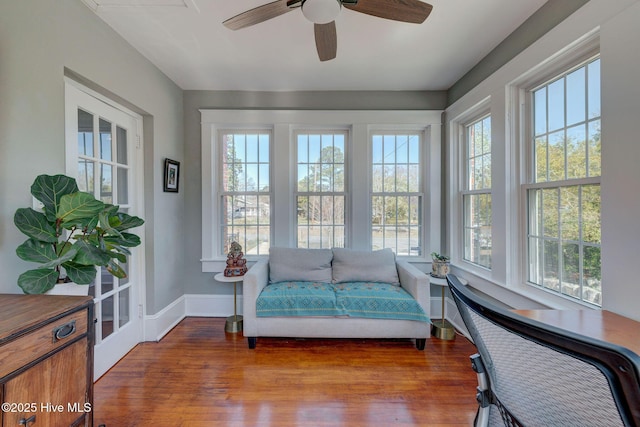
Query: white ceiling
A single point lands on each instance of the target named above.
(187, 41)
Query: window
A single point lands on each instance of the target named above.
(320, 197)
(476, 195)
(563, 194)
(303, 178)
(396, 198)
(245, 195)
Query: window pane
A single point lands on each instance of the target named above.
(85, 176)
(123, 186)
(321, 169)
(576, 152)
(594, 149)
(106, 183)
(123, 307)
(85, 133)
(556, 156)
(564, 221)
(245, 203)
(540, 111)
(556, 105)
(576, 97)
(591, 229)
(593, 70)
(541, 159)
(105, 140)
(121, 145)
(570, 213)
(477, 207)
(107, 316)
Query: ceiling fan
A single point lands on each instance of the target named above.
(323, 13)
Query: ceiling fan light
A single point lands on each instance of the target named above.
(321, 11)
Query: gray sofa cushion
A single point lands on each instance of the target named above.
(296, 264)
(364, 266)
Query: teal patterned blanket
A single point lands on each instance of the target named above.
(354, 299)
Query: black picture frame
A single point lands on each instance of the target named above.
(171, 175)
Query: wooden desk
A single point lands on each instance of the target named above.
(600, 324)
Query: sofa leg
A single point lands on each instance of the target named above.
(420, 343)
(252, 342)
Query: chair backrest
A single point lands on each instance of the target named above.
(541, 375)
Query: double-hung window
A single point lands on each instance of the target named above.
(476, 194)
(320, 184)
(245, 191)
(563, 192)
(396, 197)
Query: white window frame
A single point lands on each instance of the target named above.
(418, 192)
(222, 193)
(283, 124)
(520, 121)
(557, 184)
(457, 163)
(329, 193)
(464, 188)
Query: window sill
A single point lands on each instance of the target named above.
(519, 296)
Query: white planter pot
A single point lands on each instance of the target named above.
(69, 288)
(439, 269)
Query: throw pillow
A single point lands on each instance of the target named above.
(294, 264)
(364, 266)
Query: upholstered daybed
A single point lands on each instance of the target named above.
(339, 293)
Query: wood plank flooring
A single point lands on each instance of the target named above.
(198, 376)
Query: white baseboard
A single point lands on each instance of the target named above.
(158, 325)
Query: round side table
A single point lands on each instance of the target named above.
(442, 328)
(234, 323)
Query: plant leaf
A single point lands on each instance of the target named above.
(36, 251)
(126, 239)
(116, 270)
(49, 189)
(35, 225)
(127, 221)
(89, 254)
(80, 274)
(37, 281)
(78, 207)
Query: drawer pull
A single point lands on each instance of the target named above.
(64, 331)
(27, 421)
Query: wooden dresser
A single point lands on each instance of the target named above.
(46, 360)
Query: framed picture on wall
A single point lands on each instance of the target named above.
(171, 175)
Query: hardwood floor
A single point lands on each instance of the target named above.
(198, 376)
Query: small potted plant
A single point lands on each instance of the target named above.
(439, 265)
(74, 234)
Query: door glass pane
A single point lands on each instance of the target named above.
(123, 307)
(123, 186)
(107, 317)
(85, 175)
(107, 280)
(121, 135)
(106, 183)
(85, 133)
(105, 140)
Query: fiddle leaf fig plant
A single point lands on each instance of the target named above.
(74, 233)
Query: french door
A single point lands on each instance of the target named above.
(104, 154)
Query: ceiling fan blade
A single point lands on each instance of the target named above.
(326, 40)
(412, 11)
(257, 15)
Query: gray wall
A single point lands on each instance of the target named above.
(40, 42)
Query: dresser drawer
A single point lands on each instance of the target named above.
(27, 348)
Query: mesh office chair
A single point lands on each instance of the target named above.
(533, 374)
